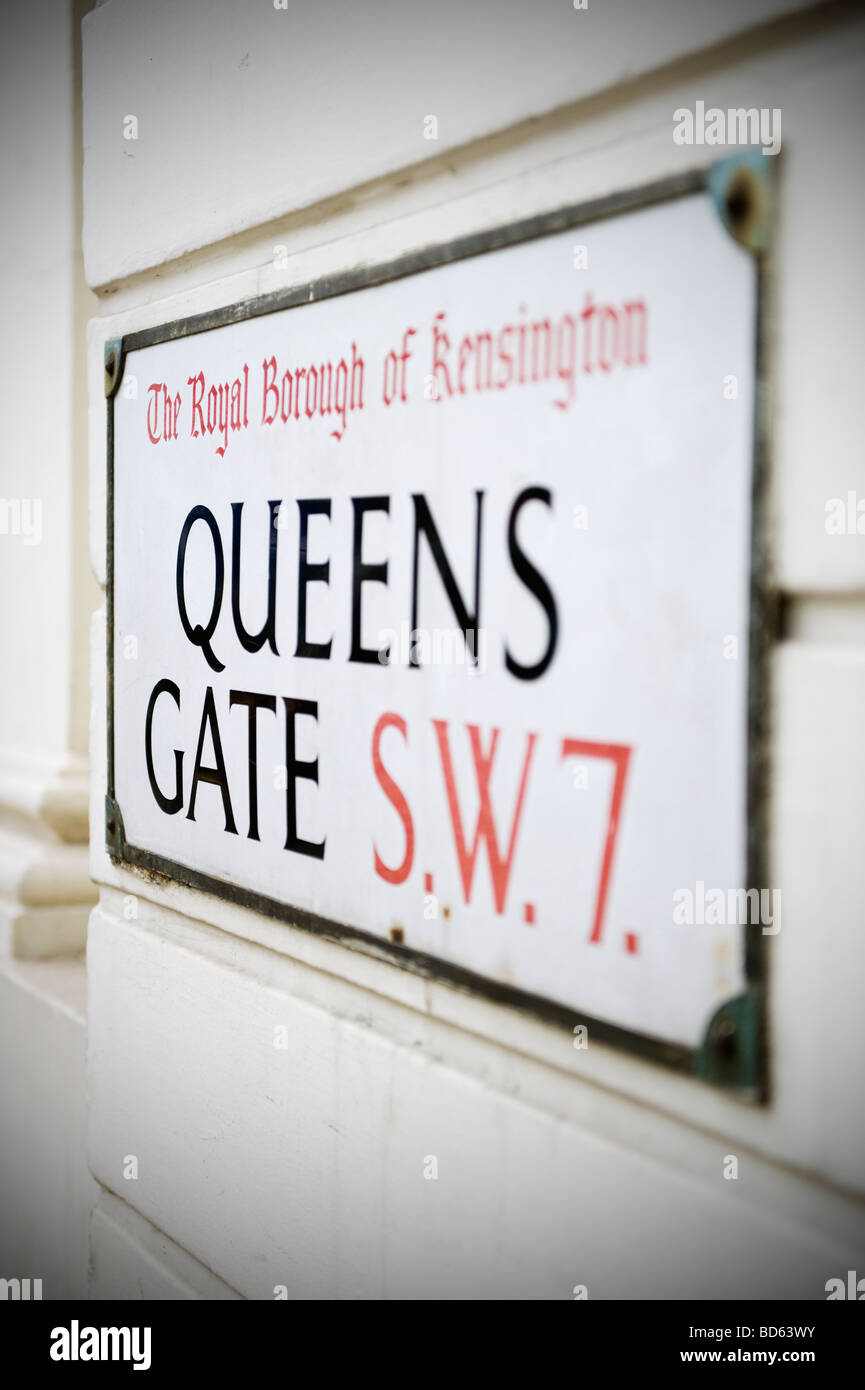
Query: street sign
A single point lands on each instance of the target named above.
(432, 615)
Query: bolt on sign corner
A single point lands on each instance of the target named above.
(431, 623)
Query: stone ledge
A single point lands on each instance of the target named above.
(48, 793)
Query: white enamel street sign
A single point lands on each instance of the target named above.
(537, 460)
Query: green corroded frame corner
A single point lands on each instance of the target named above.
(741, 187)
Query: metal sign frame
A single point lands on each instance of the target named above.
(734, 1051)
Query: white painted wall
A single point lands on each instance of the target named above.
(304, 1167)
(248, 112)
(46, 596)
(47, 590)
(46, 1190)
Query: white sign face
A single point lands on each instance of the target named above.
(431, 612)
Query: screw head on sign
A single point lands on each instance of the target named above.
(724, 1037)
